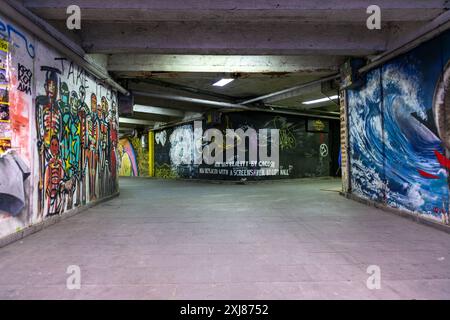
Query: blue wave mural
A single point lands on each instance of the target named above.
(396, 154)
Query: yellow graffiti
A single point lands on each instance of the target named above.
(4, 45)
(319, 125)
(286, 131)
(125, 167)
(165, 171)
(287, 140)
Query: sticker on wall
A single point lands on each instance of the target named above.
(4, 113)
(317, 125)
(24, 77)
(4, 45)
(3, 78)
(5, 125)
(4, 96)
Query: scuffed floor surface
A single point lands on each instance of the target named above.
(191, 240)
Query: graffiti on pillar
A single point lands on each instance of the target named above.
(76, 140)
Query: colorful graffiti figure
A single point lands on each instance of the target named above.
(66, 134)
(76, 144)
(72, 149)
(92, 154)
(54, 174)
(48, 121)
(103, 156)
(113, 140)
(83, 111)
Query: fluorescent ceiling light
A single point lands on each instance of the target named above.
(222, 82)
(321, 100)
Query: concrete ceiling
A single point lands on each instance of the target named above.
(245, 86)
(181, 47)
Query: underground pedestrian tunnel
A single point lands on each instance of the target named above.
(224, 151)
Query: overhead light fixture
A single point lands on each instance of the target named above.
(321, 100)
(222, 82)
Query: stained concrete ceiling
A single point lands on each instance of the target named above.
(179, 47)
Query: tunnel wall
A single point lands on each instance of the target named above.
(58, 133)
(399, 147)
(300, 143)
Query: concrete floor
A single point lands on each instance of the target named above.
(190, 240)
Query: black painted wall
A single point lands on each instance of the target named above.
(300, 148)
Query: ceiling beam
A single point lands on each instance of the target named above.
(175, 86)
(244, 38)
(221, 63)
(132, 121)
(158, 111)
(291, 92)
(238, 10)
(173, 97)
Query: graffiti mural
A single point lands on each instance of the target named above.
(58, 133)
(398, 132)
(76, 142)
(142, 156)
(302, 153)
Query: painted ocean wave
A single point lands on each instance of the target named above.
(389, 143)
